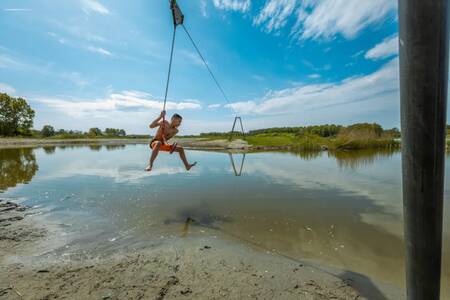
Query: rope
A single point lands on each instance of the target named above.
(168, 81)
(170, 67)
(206, 64)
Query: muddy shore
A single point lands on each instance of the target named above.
(33, 266)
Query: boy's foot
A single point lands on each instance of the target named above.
(191, 165)
(148, 168)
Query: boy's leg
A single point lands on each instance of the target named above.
(182, 154)
(156, 146)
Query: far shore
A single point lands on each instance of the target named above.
(193, 143)
(189, 143)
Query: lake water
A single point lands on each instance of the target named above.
(342, 210)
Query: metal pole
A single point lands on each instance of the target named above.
(423, 43)
(242, 128)
(232, 129)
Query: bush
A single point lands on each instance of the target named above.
(115, 132)
(47, 131)
(94, 132)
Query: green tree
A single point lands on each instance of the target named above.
(16, 116)
(61, 132)
(95, 132)
(122, 132)
(115, 132)
(48, 131)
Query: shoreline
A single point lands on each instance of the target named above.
(29, 142)
(176, 267)
(188, 143)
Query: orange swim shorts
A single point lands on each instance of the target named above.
(164, 146)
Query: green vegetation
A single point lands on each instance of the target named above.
(48, 131)
(16, 119)
(332, 137)
(51, 133)
(16, 116)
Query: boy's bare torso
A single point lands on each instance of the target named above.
(165, 132)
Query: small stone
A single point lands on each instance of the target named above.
(186, 291)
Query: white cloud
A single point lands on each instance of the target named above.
(192, 57)
(314, 76)
(115, 102)
(368, 88)
(99, 50)
(94, 6)
(387, 48)
(16, 9)
(4, 88)
(204, 8)
(75, 78)
(8, 62)
(214, 106)
(236, 5)
(258, 77)
(314, 19)
(275, 14)
(327, 18)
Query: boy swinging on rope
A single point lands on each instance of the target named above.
(165, 132)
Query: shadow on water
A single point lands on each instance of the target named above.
(202, 217)
(197, 216)
(363, 285)
(16, 166)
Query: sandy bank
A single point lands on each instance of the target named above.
(25, 142)
(176, 268)
(188, 143)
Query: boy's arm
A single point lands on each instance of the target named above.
(156, 123)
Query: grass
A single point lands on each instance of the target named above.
(315, 142)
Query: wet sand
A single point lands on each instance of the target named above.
(32, 267)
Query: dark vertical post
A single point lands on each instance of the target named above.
(242, 128)
(232, 129)
(423, 43)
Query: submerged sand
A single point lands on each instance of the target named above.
(33, 266)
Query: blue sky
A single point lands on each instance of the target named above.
(99, 63)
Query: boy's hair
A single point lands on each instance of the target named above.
(177, 116)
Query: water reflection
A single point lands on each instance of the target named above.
(237, 171)
(115, 147)
(49, 149)
(96, 148)
(307, 154)
(357, 159)
(16, 166)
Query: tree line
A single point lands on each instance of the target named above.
(49, 131)
(329, 130)
(16, 119)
